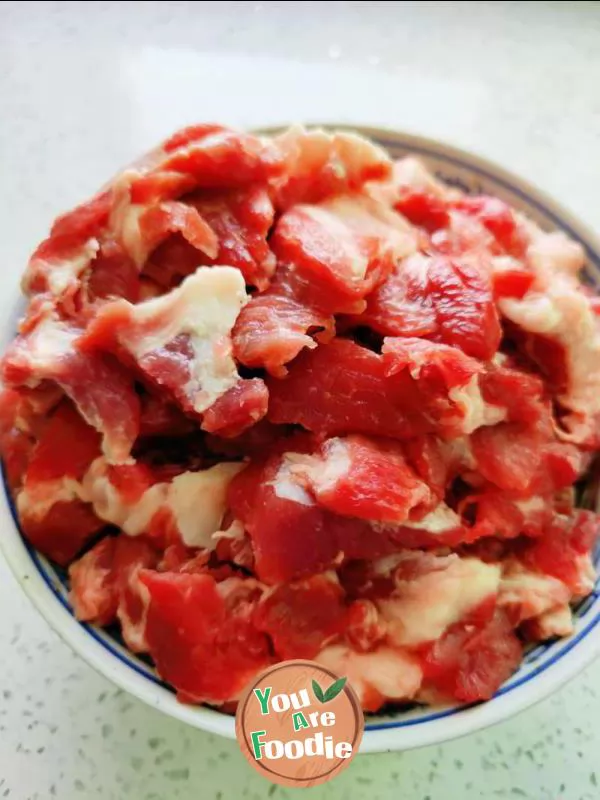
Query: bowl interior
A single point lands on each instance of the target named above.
(550, 664)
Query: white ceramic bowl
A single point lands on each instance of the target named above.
(544, 669)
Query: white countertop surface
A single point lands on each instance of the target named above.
(86, 87)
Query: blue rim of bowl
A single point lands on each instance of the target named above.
(396, 145)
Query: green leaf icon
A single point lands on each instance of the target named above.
(318, 692)
(333, 691)
(335, 688)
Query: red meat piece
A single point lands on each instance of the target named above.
(104, 394)
(180, 344)
(156, 186)
(197, 563)
(132, 555)
(559, 550)
(302, 617)
(15, 444)
(67, 447)
(436, 367)
(202, 642)
(512, 280)
(140, 228)
(28, 409)
(101, 388)
(58, 527)
(507, 455)
(439, 298)
(161, 418)
(470, 662)
(319, 164)
(441, 527)
(220, 158)
(62, 531)
(131, 480)
(237, 550)
(344, 388)
(105, 585)
(291, 536)
(171, 261)
(93, 594)
(341, 388)
(364, 629)
(238, 409)
(341, 249)
(275, 326)
(548, 356)
(366, 478)
(497, 217)
(525, 459)
(373, 581)
(241, 221)
(465, 309)
(15, 450)
(498, 513)
(176, 555)
(158, 221)
(403, 305)
(465, 237)
(67, 240)
(83, 221)
(191, 133)
(427, 458)
(521, 393)
(423, 208)
(113, 274)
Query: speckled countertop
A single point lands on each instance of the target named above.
(83, 89)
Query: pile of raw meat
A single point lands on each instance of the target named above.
(279, 397)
